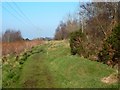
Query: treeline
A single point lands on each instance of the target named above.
(11, 36)
(96, 34)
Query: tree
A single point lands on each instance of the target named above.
(11, 36)
(65, 28)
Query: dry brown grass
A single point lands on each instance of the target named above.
(113, 78)
(18, 46)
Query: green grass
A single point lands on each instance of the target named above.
(51, 66)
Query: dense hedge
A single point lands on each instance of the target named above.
(109, 52)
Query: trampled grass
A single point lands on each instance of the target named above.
(52, 66)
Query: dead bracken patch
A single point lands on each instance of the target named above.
(113, 78)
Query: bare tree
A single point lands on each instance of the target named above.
(11, 35)
(65, 28)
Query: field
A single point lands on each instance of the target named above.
(18, 46)
(50, 65)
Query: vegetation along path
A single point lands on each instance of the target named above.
(52, 66)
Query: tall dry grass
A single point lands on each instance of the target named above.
(19, 46)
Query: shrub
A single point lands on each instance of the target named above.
(76, 39)
(111, 47)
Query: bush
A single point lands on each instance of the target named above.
(76, 39)
(111, 48)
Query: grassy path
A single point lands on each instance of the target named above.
(35, 72)
(53, 67)
(32, 72)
